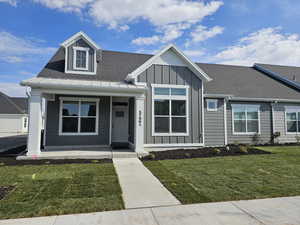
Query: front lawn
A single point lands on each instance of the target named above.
(232, 177)
(43, 190)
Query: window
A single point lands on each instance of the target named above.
(212, 104)
(79, 116)
(170, 110)
(245, 119)
(80, 58)
(292, 118)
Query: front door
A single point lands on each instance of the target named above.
(119, 121)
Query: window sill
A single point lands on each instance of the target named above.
(78, 134)
(170, 134)
(251, 133)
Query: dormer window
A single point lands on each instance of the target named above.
(81, 58)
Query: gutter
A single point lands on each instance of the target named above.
(277, 76)
(275, 100)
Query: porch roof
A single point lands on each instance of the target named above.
(82, 85)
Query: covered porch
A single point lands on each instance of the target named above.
(85, 119)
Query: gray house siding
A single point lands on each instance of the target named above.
(52, 126)
(265, 124)
(214, 134)
(175, 75)
(131, 120)
(81, 43)
(280, 123)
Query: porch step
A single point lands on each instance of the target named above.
(120, 145)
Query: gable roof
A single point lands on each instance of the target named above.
(287, 74)
(245, 82)
(191, 65)
(77, 36)
(9, 105)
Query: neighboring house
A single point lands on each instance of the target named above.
(13, 116)
(99, 98)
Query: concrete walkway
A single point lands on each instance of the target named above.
(140, 188)
(277, 211)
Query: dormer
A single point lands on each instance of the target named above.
(80, 55)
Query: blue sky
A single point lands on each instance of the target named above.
(238, 32)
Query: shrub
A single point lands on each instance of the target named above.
(187, 155)
(152, 156)
(216, 151)
(243, 149)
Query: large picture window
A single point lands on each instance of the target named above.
(292, 118)
(79, 116)
(80, 58)
(170, 110)
(246, 119)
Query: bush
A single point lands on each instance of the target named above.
(216, 151)
(243, 149)
(187, 155)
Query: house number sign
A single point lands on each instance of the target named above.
(140, 118)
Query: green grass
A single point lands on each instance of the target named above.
(59, 189)
(232, 178)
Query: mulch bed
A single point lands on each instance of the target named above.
(202, 153)
(11, 161)
(4, 190)
(14, 151)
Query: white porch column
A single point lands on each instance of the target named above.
(35, 123)
(139, 123)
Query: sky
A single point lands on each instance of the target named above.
(235, 32)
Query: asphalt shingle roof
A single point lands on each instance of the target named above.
(239, 81)
(9, 105)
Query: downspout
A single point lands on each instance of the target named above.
(225, 121)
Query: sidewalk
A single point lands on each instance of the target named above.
(140, 188)
(277, 211)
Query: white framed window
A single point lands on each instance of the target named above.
(292, 119)
(170, 115)
(79, 116)
(245, 119)
(212, 104)
(81, 58)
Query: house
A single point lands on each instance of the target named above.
(99, 98)
(13, 116)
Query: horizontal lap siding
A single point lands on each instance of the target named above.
(280, 123)
(175, 75)
(214, 125)
(52, 126)
(265, 125)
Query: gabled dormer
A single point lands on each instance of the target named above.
(80, 55)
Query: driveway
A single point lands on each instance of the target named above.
(7, 143)
(276, 211)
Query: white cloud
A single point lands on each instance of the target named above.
(267, 45)
(11, 2)
(65, 5)
(14, 49)
(12, 89)
(193, 53)
(202, 33)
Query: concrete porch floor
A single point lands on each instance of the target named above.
(86, 153)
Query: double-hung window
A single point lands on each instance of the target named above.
(292, 118)
(246, 119)
(170, 110)
(79, 116)
(81, 59)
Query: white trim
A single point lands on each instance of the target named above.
(45, 122)
(232, 120)
(174, 145)
(78, 35)
(74, 147)
(79, 100)
(192, 66)
(292, 109)
(215, 101)
(225, 122)
(86, 50)
(202, 114)
(170, 97)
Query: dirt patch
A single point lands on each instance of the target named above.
(4, 191)
(11, 161)
(204, 153)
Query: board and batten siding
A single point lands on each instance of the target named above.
(280, 123)
(265, 124)
(80, 43)
(174, 75)
(52, 126)
(214, 134)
